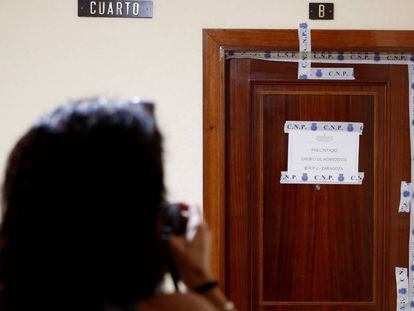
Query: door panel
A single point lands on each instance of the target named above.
(293, 247)
(315, 241)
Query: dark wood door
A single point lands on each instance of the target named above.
(294, 247)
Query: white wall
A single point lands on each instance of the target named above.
(49, 55)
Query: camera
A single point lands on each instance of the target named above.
(175, 217)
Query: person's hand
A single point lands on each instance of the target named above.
(192, 258)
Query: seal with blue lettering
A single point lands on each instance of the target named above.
(305, 177)
(303, 25)
(350, 128)
(319, 73)
(341, 56)
(341, 177)
(267, 54)
(314, 127)
(377, 57)
(303, 77)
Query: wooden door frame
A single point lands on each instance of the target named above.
(215, 43)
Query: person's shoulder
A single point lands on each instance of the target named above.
(188, 301)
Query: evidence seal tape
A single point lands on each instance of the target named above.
(402, 293)
(317, 173)
(332, 74)
(372, 58)
(405, 198)
(325, 57)
(411, 113)
(304, 66)
(319, 179)
(411, 261)
(411, 239)
(305, 70)
(356, 127)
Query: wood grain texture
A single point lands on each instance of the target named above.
(393, 82)
(345, 236)
(398, 170)
(322, 40)
(238, 168)
(214, 151)
(317, 244)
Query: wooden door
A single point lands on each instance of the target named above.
(294, 247)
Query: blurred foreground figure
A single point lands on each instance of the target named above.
(81, 227)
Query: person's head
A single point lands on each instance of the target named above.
(81, 201)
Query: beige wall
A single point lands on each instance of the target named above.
(49, 55)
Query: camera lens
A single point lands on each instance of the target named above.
(175, 219)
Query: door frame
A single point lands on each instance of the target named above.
(215, 44)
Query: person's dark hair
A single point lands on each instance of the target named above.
(81, 202)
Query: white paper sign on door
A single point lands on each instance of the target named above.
(323, 153)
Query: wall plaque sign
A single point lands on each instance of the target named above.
(321, 10)
(115, 8)
(323, 153)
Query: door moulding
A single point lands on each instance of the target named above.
(216, 42)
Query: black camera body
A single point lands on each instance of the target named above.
(174, 219)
